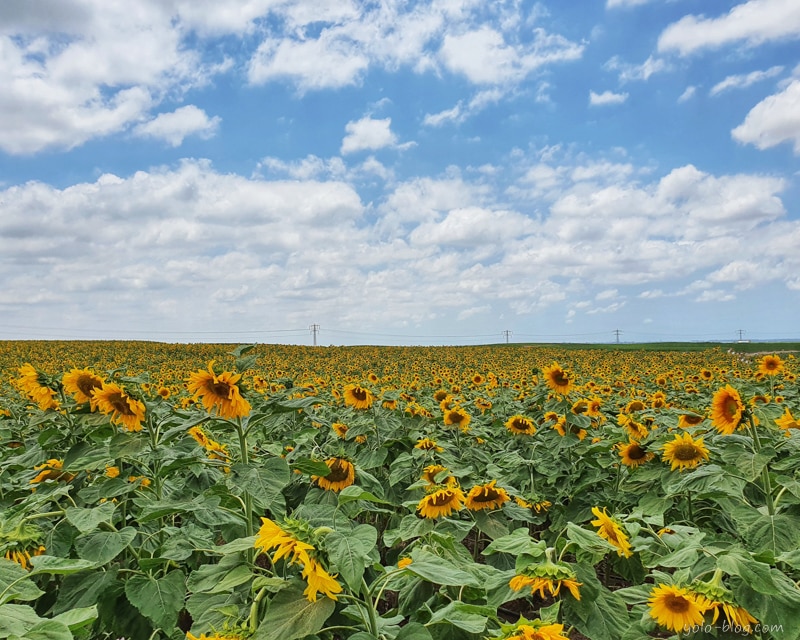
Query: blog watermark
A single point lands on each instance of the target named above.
(726, 627)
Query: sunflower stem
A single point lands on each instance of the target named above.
(764, 471)
(245, 458)
(373, 620)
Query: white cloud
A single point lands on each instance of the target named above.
(370, 134)
(742, 81)
(174, 127)
(688, 94)
(606, 98)
(637, 72)
(774, 120)
(753, 22)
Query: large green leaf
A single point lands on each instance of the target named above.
(777, 533)
(158, 600)
(439, 571)
(350, 552)
(87, 520)
(15, 583)
(263, 481)
(414, 631)
(104, 546)
(78, 618)
(469, 617)
(59, 566)
(291, 615)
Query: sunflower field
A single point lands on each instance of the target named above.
(205, 492)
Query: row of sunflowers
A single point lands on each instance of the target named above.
(476, 493)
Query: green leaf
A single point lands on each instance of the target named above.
(86, 520)
(757, 574)
(310, 467)
(264, 482)
(414, 631)
(439, 571)
(777, 533)
(86, 456)
(16, 619)
(240, 544)
(588, 540)
(206, 577)
(15, 583)
(600, 614)
(104, 546)
(49, 630)
(158, 600)
(291, 616)
(78, 618)
(59, 566)
(410, 527)
(469, 617)
(350, 552)
(354, 492)
(517, 543)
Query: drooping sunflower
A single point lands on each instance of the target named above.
(558, 379)
(457, 417)
(787, 421)
(486, 496)
(111, 399)
(541, 585)
(770, 365)
(51, 470)
(636, 430)
(358, 397)
(610, 530)
(689, 420)
(35, 386)
(428, 444)
(430, 473)
(441, 502)
(22, 556)
(534, 630)
(342, 474)
(219, 393)
(520, 425)
(319, 581)
(684, 452)
(633, 454)
(727, 410)
(81, 383)
(674, 607)
(713, 596)
(340, 429)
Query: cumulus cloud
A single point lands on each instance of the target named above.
(753, 22)
(370, 134)
(688, 94)
(606, 98)
(175, 126)
(774, 120)
(634, 72)
(742, 81)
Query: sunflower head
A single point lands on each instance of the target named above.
(486, 496)
(684, 452)
(633, 454)
(674, 607)
(727, 410)
(341, 475)
(219, 393)
(358, 397)
(770, 365)
(520, 425)
(610, 530)
(81, 383)
(457, 417)
(441, 502)
(558, 379)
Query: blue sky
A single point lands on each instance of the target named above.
(399, 172)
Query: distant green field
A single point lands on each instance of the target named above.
(738, 347)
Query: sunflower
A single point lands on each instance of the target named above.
(81, 383)
(22, 555)
(558, 379)
(270, 535)
(770, 365)
(684, 452)
(430, 472)
(457, 417)
(534, 630)
(610, 530)
(633, 454)
(689, 420)
(112, 400)
(520, 425)
(427, 444)
(342, 474)
(636, 430)
(787, 421)
(486, 496)
(714, 596)
(219, 392)
(51, 470)
(727, 410)
(34, 385)
(319, 581)
(340, 429)
(358, 397)
(674, 607)
(540, 584)
(199, 436)
(441, 502)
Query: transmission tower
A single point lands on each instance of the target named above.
(741, 334)
(616, 333)
(507, 334)
(314, 329)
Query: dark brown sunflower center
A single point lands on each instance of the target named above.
(676, 604)
(692, 419)
(636, 406)
(360, 394)
(731, 408)
(560, 378)
(340, 470)
(455, 417)
(441, 499)
(87, 384)
(487, 495)
(686, 452)
(120, 404)
(521, 425)
(635, 452)
(219, 389)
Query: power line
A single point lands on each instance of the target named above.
(507, 335)
(314, 329)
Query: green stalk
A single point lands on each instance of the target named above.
(764, 471)
(245, 458)
(373, 619)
